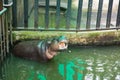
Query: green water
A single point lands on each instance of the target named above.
(78, 63)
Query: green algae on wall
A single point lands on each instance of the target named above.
(81, 38)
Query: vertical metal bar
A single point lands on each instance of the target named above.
(8, 27)
(0, 38)
(109, 13)
(6, 32)
(11, 36)
(14, 15)
(118, 16)
(58, 14)
(89, 12)
(9, 17)
(68, 15)
(47, 14)
(79, 14)
(99, 12)
(3, 32)
(36, 13)
(26, 13)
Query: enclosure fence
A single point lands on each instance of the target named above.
(59, 15)
(5, 30)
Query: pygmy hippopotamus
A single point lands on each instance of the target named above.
(43, 50)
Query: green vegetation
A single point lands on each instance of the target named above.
(81, 38)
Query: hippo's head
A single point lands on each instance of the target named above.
(59, 43)
(56, 44)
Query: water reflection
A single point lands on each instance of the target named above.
(71, 71)
(91, 63)
(103, 65)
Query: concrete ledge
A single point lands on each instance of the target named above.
(81, 38)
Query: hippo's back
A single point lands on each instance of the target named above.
(26, 49)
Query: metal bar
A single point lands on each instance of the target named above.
(47, 14)
(0, 38)
(109, 13)
(14, 15)
(2, 11)
(68, 14)
(118, 16)
(6, 34)
(10, 28)
(58, 14)
(74, 30)
(36, 13)
(9, 18)
(79, 14)
(89, 12)
(4, 37)
(26, 13)
(99, 12)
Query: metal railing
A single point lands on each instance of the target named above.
(61, 17)
(3, 34)
(5, 31)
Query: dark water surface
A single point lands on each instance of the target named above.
(77, 63)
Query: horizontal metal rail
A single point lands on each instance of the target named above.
(64, 30)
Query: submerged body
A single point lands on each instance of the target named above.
(40, 50)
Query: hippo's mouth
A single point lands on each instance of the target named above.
(63, 45)
(55, 47)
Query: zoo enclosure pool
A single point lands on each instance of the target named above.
(86, 63)
(76, 63)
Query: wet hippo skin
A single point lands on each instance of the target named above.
(43, 50)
